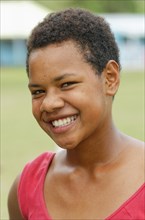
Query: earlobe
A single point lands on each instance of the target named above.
(112, 77)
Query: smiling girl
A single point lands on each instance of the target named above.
(74, 73)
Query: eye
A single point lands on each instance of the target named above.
(37, 92)
(67, 84)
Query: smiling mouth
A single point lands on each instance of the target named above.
(63, 122)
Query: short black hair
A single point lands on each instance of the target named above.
(90, 32)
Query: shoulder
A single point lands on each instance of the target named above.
(133, 157)
(42, 158)
(136, 155)
(13, 205)
(40, 162)
(136, 148)
(133, 143)
(136, 145)
(30, 174)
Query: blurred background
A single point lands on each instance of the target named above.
(21, 138)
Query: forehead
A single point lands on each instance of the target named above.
(67, 48)
(57, 59)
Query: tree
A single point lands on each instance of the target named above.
(98, 6)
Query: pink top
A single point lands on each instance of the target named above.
(31, 199)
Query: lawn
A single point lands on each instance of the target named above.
(23, 140)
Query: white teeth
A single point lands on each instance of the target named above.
(63, 122)
(68, 120)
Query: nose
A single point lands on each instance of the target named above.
(51, 102)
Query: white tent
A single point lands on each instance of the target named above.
(19, 17)
(132, 25)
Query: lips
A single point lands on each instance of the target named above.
(63, 122)
(59, 124)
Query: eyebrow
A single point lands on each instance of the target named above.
(56, 79)
(65, 75)
(33, 85)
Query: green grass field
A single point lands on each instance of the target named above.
(22, 139)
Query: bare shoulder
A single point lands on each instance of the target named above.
(136, 144)
(136, 150)
(13, 206)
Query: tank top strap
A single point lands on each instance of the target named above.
(32, 177)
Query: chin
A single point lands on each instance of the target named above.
(67, 146)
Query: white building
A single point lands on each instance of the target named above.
(19, 17)
(17, 20)
(129, 31)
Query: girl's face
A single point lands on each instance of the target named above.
(68, 98)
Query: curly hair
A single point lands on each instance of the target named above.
(92, 35)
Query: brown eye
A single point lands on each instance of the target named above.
(38, 92)
(67, 84)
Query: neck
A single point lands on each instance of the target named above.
(97, 151)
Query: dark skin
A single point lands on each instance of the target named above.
(101, 189)
(99, 168)
(13, 206)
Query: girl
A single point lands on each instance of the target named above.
(73, 69)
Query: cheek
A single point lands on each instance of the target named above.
(95, 107)
(90, 98)
(35, 110)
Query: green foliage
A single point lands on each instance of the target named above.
(98, 6)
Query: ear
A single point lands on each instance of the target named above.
(112, 77)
